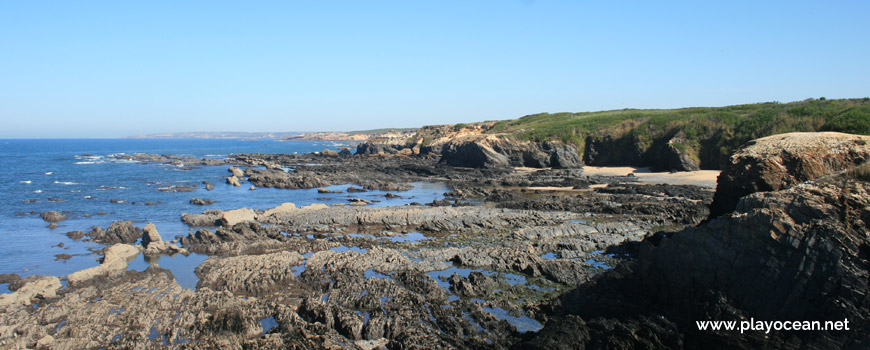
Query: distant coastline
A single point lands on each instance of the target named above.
(361, 135)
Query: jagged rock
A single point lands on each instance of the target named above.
(42, 287)
(199, 201)
(236, 172)
(778, 162)
(233, 180)
(271, 178)
(253, 275)
(475, 284)
(117, 232)
(154, 244)
(52, 216)
(495, 152)
(150, 235)
(114, 262)
(791, 254)
(207, 218)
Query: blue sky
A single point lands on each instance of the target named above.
(120, 68)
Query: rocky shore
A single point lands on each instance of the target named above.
(543, 258)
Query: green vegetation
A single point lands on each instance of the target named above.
(707, 134)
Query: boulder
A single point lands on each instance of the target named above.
(75, 235)
(118, 232)
(232, 217)
(236, 172)
(52, 216)
(199, 201)
(781, 161)
(233, 180)
(150, 235)
(329, 153)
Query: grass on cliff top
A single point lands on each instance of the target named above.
(745, 121)
(727, 127)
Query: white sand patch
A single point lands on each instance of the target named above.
(705, 178)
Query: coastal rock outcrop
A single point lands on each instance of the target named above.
(239, 173)
(492, 151)
(796, 252)
(200, 201)
(114, 263)
(252, 275)
(52, 216)
(233, 180)
(117, 232)
(154, 244)
(42, 287)
(232, 217)
(778, 162)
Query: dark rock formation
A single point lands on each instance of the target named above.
(9, 277)
(662, 154)
(117, 232)
(199, 201)
(52, 216)
(496, 152)
(790, 254)
(75, 235)
(781, 161)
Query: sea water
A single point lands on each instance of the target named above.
(85, 179)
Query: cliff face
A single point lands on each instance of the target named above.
(467, 146)
(494, 152)
(797, 253)
(662, 154)
(781, 161)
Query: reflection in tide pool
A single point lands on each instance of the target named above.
(182, 267)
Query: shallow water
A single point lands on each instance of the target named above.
(523, 323)
(37, 170)
(182, 267)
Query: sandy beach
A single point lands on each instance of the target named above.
(705, 178)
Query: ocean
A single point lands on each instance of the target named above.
(76, 177)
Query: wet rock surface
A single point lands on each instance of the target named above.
(538, 259)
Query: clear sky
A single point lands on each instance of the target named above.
(121, 68)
